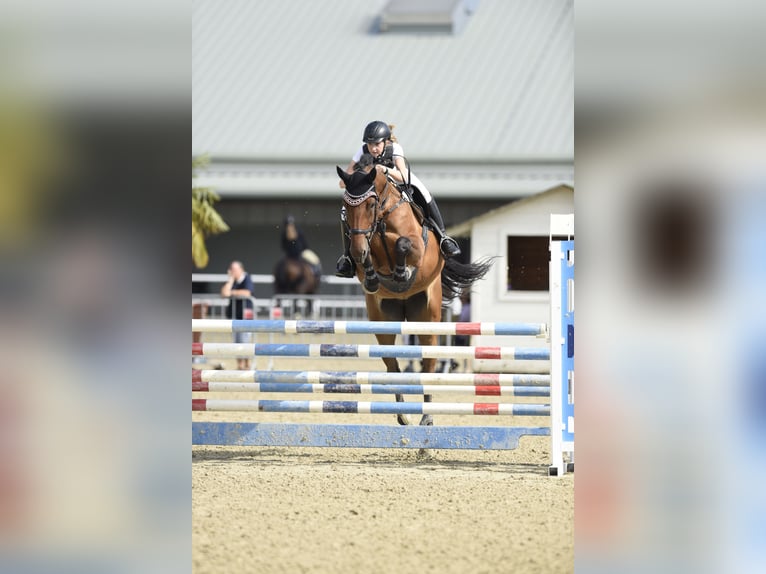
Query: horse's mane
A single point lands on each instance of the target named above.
(356, 193)
(364, 162)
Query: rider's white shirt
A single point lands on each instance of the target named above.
(399, 151)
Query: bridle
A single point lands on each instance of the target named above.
(380, 206)
(378, 222)
(356, 200)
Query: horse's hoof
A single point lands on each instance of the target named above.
(403, 420)
(371, 286)
(427, 421)
(424, 454)
(402, 276)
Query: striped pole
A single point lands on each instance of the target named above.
(478, 390)
(369, 351)
(368, 327)
(362, 378)
(381, 408)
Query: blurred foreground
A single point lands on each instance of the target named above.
(671, 277)
(94, 123)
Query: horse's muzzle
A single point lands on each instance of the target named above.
(360, 249)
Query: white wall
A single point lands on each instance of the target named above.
(490, 301)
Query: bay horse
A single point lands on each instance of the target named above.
(398, 261)
(299, 271)
(295, 276)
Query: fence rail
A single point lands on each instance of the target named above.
(315, 307)
(340, 299)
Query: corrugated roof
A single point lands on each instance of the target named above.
(319, 180)
(300, 79)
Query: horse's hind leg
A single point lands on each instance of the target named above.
(392, 366)
(429, 366)
(427, 308)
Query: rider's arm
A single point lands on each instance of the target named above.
(399, 173)
(228, 291)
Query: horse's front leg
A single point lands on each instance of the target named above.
(392, 366)
(402, 248)
(371, 280)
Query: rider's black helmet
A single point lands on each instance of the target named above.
(376, 132)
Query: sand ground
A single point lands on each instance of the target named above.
(295, 510)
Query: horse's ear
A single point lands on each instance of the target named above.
(343, 175)
(372, 175)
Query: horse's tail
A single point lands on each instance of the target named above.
(456, 276)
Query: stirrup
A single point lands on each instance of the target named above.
(449, 247)
(344, 267)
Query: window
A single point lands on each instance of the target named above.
(426, 16)
(527, 263)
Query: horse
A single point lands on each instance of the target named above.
(295, 276)
(399, 264)
(299, 271)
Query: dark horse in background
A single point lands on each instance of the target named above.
(398, 261)
(299, 271)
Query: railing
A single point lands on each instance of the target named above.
(347, 304)
(315, 307)
(264, 284)
(339, 299)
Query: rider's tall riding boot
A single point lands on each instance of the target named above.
(447, 245)
(344, 267)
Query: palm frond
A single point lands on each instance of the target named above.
(200, 256)
(206, 221)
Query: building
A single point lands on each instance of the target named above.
(481, 94)
(516, 236)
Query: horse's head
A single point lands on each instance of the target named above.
(363, 190)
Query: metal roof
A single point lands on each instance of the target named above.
(299, 80)
(319, 180)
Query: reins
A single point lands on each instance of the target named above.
(378, 222)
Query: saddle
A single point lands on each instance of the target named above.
(409, 194)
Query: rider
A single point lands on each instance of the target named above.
(293, 241)
(388, 157)
(296, 246)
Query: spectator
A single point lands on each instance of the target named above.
(240, 288)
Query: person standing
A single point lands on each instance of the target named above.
(239, 287)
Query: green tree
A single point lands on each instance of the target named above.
(206, 221)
